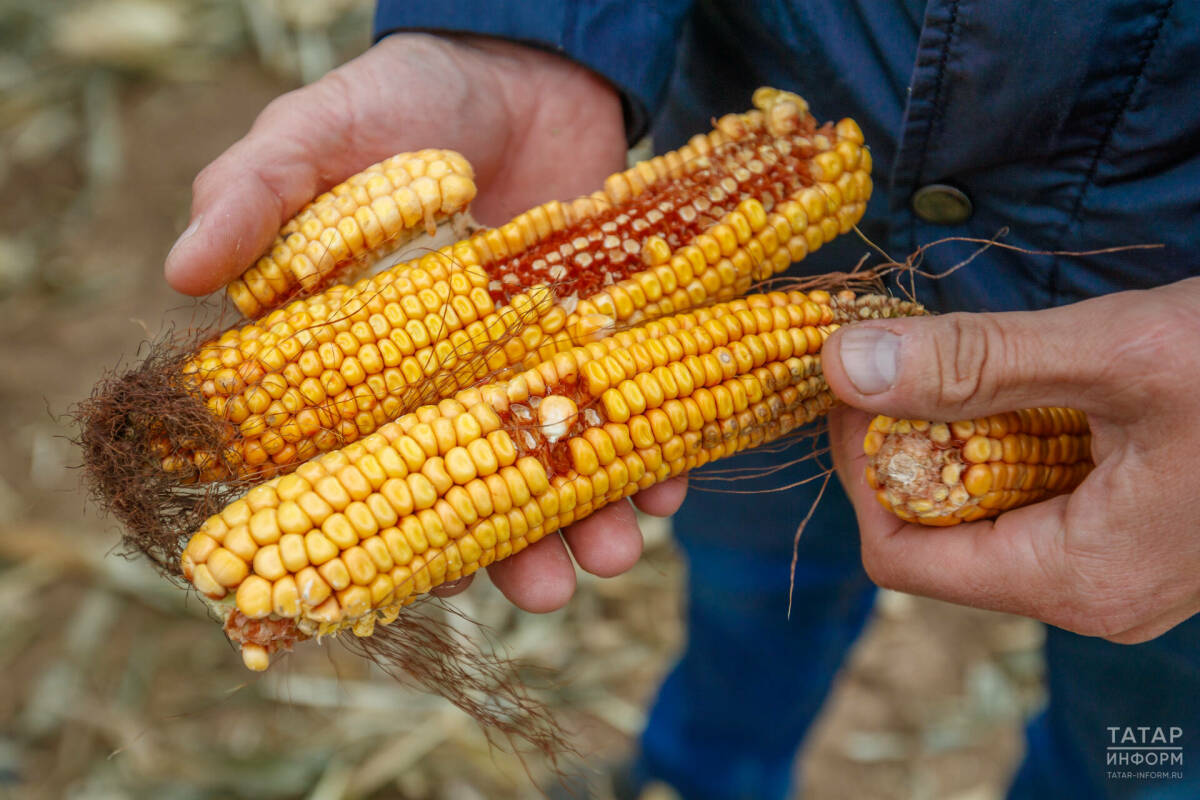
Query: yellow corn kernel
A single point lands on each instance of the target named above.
(254, 597)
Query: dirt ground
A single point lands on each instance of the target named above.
(117, 685)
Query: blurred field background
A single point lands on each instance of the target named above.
(118, 685)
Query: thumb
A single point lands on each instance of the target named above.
(238, 203)
(961, 366)
(295, 150)
(303, 143)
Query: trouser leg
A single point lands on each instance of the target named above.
(733, 711)
(1096, 686)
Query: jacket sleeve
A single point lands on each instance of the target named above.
(631, 44)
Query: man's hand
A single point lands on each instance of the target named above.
(535, 126)
(1119, 557)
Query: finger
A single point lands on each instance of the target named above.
(847, 427)
(608, 542)
(541, 578)
(960, 366)
(1015, 564)
(662, 499)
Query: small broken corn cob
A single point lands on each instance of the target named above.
(699, 224)
(937, 473)
(351, 225)
(350, 537)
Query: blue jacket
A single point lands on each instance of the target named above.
(1076, 126)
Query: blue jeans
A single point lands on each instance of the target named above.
(731, 715)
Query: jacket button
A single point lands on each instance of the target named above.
(942, 204)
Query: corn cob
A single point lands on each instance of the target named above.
(351, 225)
(945, 473)
(350, 537)
(699, 224)
(357, 220)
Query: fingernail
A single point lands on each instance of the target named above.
(188, 232)
(869, 358)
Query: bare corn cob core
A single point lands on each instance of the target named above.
(350, 537)
(937, 473)
(702, 223)
(351, 225)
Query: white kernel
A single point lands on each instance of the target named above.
(557, 413)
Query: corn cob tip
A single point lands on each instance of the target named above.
(784, 110)
(258, 639)
(135, 422)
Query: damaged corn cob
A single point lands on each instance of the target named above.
(936, 473)
(347, 539)
(770, 153)
(699, 224)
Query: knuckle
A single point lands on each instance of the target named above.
(279, 106)
(1160, 348)
(1153, 360)
(338, 92)
(1099, 624)
(1131, 637)
(203, 178)
(966, 351)
(1106, 614)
